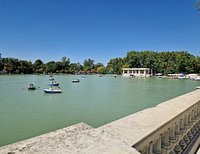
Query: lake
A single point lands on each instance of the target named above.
(94, 101)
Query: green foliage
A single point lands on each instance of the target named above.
(38, 66)
(164, 62)
(101, 70)
(115, 65)
(159, 62)
(75, 68)
(88, 66)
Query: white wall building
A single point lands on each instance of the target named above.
(136, 72)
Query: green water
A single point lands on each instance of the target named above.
(95, 101)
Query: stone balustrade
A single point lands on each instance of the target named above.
(171, 127)
(179, 135)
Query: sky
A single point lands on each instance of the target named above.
(96, 29)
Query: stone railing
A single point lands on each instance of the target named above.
(180, 135)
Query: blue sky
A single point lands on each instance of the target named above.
(97, 29)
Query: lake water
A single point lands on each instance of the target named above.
(94, 101)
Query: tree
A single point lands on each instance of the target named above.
(50, 67)
(115, 65)
(1, 64)
(88, 66)
(10, 64)
(101, 70)
(65, 64)
(39, 66)
(75, 68)
(25, 67)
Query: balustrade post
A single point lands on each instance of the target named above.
(198, 110)
(150, 148)
(172, 136)
(182, 128)
(190, 119)
(186, 139)
(157, 146)
(182, 144)
(193, 116)
(186, 121)
(196, 128)
(166, 143)
(193, 131)
(177, 149)
(190, 135)
(177, 130)
(166, 139)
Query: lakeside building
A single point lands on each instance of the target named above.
(137, 72)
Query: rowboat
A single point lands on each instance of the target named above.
(52, 91)
(75, 80)
(53, 83)
(31, 87)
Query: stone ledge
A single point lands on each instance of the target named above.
(79, 138)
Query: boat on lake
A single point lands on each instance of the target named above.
(31, 87)
(51, 78)
(52, 91)
(196, 79)
(75, 80)
(53, 83)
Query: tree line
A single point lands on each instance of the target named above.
(159, 62)
(16, 66)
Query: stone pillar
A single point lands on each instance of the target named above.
(166, 139)
(182, 144)
(195, 114)
(145, 73)
(157, 146)
(165, 142)
(150, 148)
(193, 117)
(190, 135)
(186, 121)
(182, 128)
(177, 130)
(186, 139)
(177, 149)
(172, 136)
(190, 119)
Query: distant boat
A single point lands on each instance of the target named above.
(182, 77)
(75, 80)
(52, 91)
(31, 87)
(53, 83)
(51, 78)
(196, 79)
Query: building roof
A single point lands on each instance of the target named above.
(135, 69)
